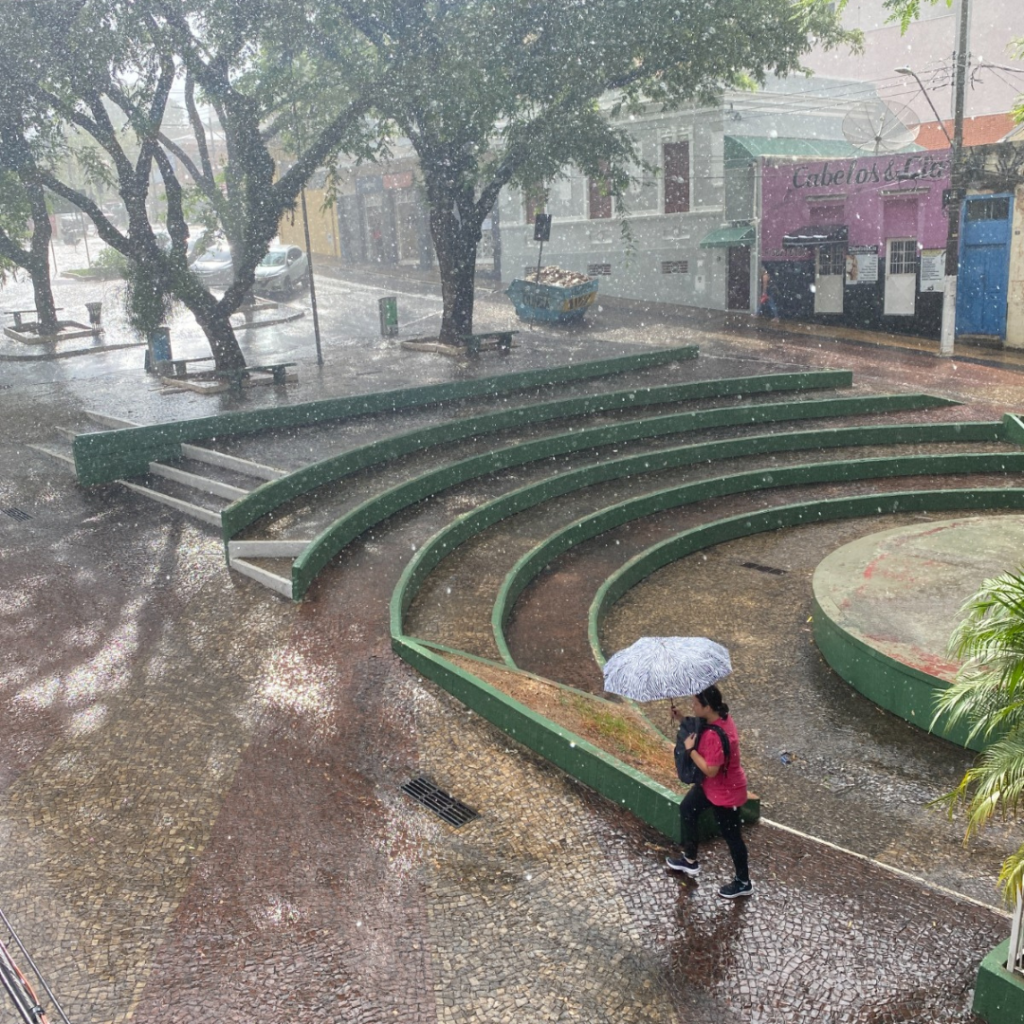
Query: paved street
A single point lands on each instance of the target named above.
(199, 782)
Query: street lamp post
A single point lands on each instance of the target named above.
(956, 189)
(907, 70)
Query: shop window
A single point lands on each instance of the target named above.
(903, 256)
(988, 209)
(599, 197)
(677, 177)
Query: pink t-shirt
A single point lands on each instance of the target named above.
(729, 787)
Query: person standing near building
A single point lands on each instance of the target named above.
(723, 789)
(767, 306)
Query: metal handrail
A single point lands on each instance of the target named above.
(17, 986)
(1015, 957)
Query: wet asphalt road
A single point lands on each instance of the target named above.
(199, 801)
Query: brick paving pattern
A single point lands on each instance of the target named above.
(201, 817)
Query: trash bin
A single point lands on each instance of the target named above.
(158, 347)
(388, 308)
(95, 312)
(551, 303)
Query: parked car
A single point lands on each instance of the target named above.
(198, 243)
(163, 239)
(214, 268)
(282, 269)
(116, 213)
(72, 227)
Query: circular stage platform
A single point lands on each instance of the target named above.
(886, 604)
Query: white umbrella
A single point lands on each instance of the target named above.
(663, 667)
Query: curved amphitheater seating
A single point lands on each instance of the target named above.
(114, 454)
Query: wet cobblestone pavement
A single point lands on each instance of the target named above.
(200, 809)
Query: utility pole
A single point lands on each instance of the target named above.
(305, 229)
(312, 284)
(956, 182)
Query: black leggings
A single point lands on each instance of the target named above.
(728, 819)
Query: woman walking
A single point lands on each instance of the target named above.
(723, 788)
(767, 307)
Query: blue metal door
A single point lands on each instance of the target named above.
(984, 265)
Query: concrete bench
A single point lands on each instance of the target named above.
(19, 313)
(279, 371)
(178, 367)
(475, 342)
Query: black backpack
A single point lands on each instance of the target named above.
(686, 769)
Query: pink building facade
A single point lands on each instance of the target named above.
(859, 241)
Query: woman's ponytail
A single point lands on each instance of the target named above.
(712, 698)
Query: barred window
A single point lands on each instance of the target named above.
(675, 266)
(988, 209)
(903, 256)
(831, 260)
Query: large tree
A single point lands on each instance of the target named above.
(23, 200)
(494, 93)
(24, 216)
(96, 62)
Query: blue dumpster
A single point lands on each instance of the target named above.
(551, 303)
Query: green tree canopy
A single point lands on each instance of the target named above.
(505, 92)
(26, 139)
(489, 92)
(107, 68)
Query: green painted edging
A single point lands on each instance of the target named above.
(534, 561)
(346, 528)
(269, 496)
(901, 689)
(785, 516)
(109, 455)
(611, 778)
(740, 483)
(1014, 429)
(998, 993)
(605, 774)
(804, 514)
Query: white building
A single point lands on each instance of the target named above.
(689, 232)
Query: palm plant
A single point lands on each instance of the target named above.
(988, 693)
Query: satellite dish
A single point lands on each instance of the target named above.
(880, 127)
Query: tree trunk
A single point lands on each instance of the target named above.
(46, 310)
(221, 335)
(38, 263)
(455, 241)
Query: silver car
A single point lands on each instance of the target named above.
(282, 269)
(214, 268)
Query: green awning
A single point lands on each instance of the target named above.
(722, 237)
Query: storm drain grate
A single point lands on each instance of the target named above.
(15, 513)
(455, 812)
(764, 568)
